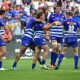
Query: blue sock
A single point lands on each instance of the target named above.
(60, 59)
(14, 65)
(43, 62)
(0, 64)
(76, 61)
(53, 58)
(33, 65)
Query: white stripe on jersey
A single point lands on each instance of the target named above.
(70, 33)
(29, 33)
(1, 32)
(39, 34)
(56, 31)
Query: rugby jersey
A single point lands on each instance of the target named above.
(1, 27)
(56, 30)
(29, 32)
(70, 27)
(38, 30)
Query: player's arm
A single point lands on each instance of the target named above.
(50, 23)
(8, 33)
(58, 23)
(48, 26)
(78, 25)
(47, 34)
(39, 20)
(6, 29)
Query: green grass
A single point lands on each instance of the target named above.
(24, 71)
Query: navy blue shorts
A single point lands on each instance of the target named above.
(27, 42)
(58, 39)
(39, 42)
(2, 43)
(71, 42)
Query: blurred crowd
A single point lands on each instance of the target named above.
(18, 12)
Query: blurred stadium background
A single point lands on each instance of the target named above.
(16, 20)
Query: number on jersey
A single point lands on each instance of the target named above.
(71, 28)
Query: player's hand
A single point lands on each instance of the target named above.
(42, 21)
(71, 23)
(57, 23)
(39, 20)
(3, 39)
(8, 37)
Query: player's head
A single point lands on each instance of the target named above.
(2, 12)
(69, 14)
(58, 10)
(41, 16)
(34, 15)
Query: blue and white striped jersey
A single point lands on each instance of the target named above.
(1, 27)
(38, 30)
(56, 30)
(70, 27)
(29, 32)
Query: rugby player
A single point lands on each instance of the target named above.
(27, 40)
(2, 38)
(56, 34)
(70, 38)
(40, 41)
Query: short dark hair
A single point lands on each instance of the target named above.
(70, 13)
(58, 6)
(34, 15)
(39, 14)
(2, 12)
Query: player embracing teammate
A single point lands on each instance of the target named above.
(70, 38)
(56, 34)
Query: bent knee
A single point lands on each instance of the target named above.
(54, 45)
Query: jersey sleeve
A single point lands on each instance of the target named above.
(63, 22)
(30, 23)
(63, 19)
(50, 19)
(78, 24)
(1, 23)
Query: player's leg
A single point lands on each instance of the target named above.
(75, 51)
(35, 57)
(45, 53)
(54, 53)
(18, 55)
(39, 59)
(61, 56)
(59, 48)
(60, 42)
(56, 49)
(41, 44)
(25, 43)
(0, 62)
(2, 54)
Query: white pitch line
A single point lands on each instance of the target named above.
(69, 71)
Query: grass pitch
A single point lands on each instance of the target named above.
(24, 71)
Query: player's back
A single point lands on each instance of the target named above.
(29, 32)
(70, 28)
